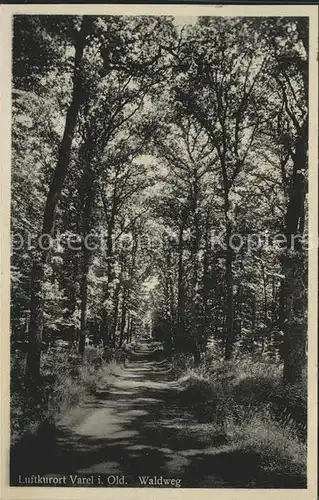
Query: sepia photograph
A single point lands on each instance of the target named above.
(159, 303)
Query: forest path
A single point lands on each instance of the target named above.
(138, 424)
(134, 426)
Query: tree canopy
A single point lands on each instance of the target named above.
(161, 162)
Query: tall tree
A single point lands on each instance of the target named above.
(218, 88)
(41, 256)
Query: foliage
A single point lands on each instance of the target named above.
(180, 138)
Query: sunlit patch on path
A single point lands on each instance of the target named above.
(135, 426)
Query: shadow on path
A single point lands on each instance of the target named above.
(135, 427)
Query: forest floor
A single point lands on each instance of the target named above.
(137, 425)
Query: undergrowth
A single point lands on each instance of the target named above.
(67, 380)
(246, 402)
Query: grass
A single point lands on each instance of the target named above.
(279, 445)
(238, 406)
(67, 381)
(246, 402)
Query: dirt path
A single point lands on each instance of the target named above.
(134, 432)
(132, 427)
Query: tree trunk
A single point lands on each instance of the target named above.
(109, 253)
(35, 326)
(229, 309)
(169, 297)
(281, 310)
(294, 348)
(180, 291)
(109, 273)
(195, 325)
(128, 326)
(87, 194)
(123, 318)
(253, 322)
(131, 331)
(239, 302)
(115, 312)
(195, 234)
(295, 283)
(265, 283)
(84, 296)
(206, 286)
(37, 272)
